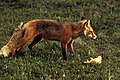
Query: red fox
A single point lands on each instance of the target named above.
(65, 33)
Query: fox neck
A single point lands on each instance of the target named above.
(78, 30)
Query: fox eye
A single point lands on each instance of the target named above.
(90, 32)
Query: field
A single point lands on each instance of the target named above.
(47, 63)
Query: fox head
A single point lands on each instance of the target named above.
(88, 30)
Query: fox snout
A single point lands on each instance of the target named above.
(90, 34)
(94, 37)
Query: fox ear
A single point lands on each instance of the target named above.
(82, 18)
(88, 22)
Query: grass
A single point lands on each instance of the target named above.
(47, 62)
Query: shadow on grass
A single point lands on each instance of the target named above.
(42, 54)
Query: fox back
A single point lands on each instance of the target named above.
(54, 30)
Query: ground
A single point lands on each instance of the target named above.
(47, 62)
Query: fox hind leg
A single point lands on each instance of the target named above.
(35, 41)
(22, 42)
(27, 37)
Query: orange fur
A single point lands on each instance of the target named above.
(65, 33)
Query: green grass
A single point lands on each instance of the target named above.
(47, 62)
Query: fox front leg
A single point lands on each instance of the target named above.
(70, 46)
(63, 45)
